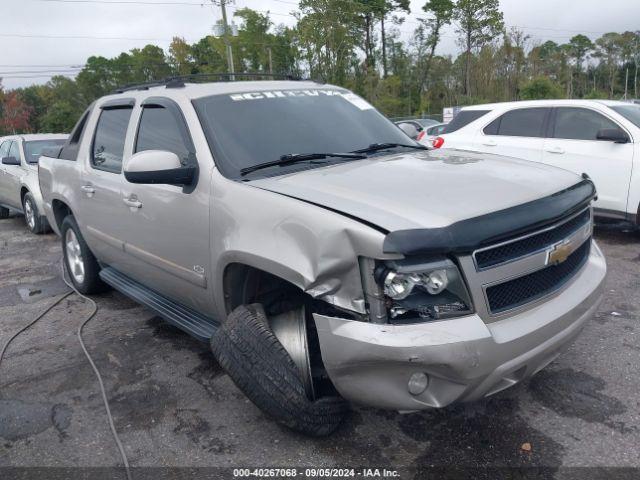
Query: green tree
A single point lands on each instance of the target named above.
(60, 117)
(479, 22)
(429, 34)
(180, 57)
(388, 7)
(540, 88)
(329, 35)
(608, 50)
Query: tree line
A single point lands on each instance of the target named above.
(358, 44)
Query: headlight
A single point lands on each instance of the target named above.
(423, 291)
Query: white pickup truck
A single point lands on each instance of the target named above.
(324, 254)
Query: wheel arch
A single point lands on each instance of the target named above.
(23, 193)
(247, 281)
(60, 211)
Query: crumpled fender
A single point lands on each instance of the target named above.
(313, 248)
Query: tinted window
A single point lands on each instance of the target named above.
(70, 149)
(33, 149)
(580, 123)
(159, 130)
(464, 118)
(14, 151)
(435, 130)
(108, 143)
(630, 112)
(427, 122)
(523, 122)
(245, 129)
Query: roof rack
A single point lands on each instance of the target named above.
(179, 80)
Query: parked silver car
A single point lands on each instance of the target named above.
(19, 188)
(328, 257)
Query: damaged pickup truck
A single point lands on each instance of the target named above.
(325, 255)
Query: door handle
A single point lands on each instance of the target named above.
(490, 143)
(558, 150)
(132, 202)
(88, 189)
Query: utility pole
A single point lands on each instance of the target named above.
(270, 60)
(626, 83)
(227, 42)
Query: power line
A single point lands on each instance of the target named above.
(125, 2)
(66, 70)
(417, 15)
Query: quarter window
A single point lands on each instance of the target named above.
(580, 123)
(464, 118)
(523, 122)
(108, 143)
(14, 151)
(4, 148)
(159, 130)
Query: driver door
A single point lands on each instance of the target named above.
(572, 145)
(167, 240)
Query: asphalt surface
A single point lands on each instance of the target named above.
(173, 406)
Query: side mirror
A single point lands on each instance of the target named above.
(159, 167)
(10, 161)
(616, 135)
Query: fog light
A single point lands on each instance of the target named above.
(418, 383)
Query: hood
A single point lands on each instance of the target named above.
(423, 189)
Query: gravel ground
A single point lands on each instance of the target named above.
(174, 407)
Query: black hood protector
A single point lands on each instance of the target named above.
(471, 234)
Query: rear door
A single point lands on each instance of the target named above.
(517, 133)
(101, 209)
(573, 145)
(167, 226)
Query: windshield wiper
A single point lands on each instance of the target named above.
(374, 147)
(291, 158)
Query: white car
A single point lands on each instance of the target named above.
(597, 137)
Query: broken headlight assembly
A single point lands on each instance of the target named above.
(422, 291)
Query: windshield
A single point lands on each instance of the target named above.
(33, 149)
(245, 129)
(630, 112)
(427, 122)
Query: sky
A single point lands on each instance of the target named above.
(43, 37)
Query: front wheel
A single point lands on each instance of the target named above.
(82, 266)
(35, 222)
(260, 366)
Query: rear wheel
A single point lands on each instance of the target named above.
(276, 379)
(81, 265)
(35, 222)
(4, 212)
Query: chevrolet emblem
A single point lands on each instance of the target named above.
(559, 252)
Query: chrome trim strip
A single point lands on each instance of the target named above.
(108, 239)
(169, 267)
(532, 234)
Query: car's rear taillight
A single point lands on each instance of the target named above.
(438, 142)
(421, 135)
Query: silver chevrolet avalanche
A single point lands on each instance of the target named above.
(324, 255)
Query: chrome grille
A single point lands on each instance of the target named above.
(518, 272)
(538, 241)
(528, 288)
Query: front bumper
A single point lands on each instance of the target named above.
(465, 358)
